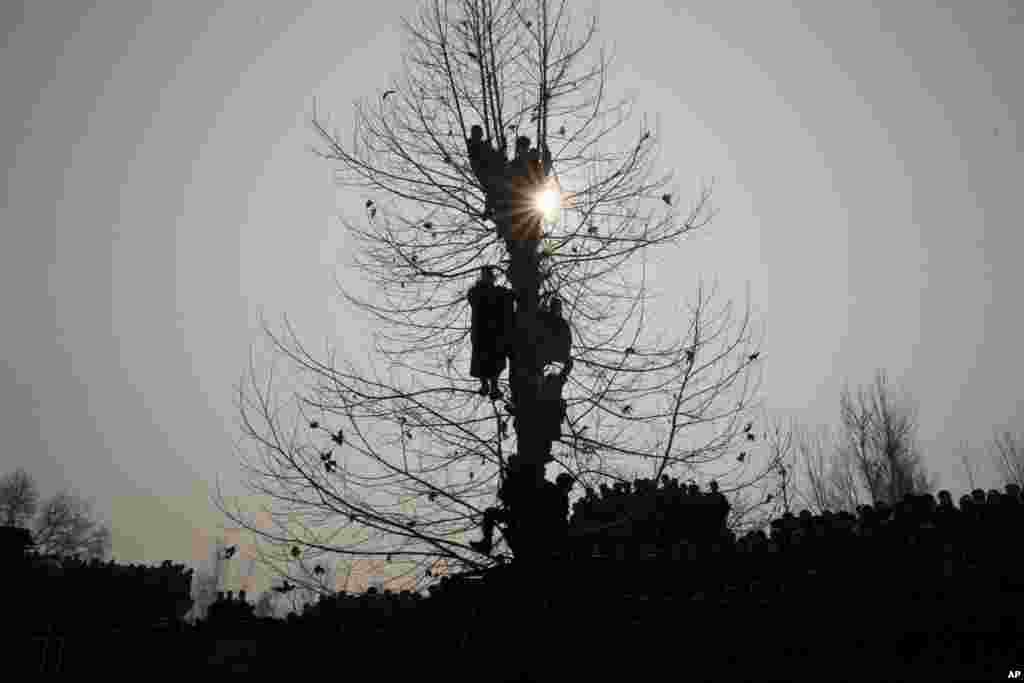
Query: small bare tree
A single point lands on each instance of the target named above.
(968, 465)
(878, 436)
(67, 526)
(1008, 452)
(19, 498)
(207, 582)
(827, 472)
(266, 605)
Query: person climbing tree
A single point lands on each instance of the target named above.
(491, 325)
(517, 494)
(524, 178)
(554, 408)
(479, 157)
(556, 344)
(488, 165)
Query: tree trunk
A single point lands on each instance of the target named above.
(526, 471)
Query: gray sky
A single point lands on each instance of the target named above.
(160, 197)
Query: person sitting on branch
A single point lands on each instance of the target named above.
(490, 334)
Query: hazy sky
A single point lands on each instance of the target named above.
(160, 196)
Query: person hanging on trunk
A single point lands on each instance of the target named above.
(553, 408)
(518, 496)
(556, 341)
(488, 165)
(492, 324)
(524, 178)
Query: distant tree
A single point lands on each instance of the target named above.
(827, 473)
(878, 437)
(1008, 451)
(967, 463)
(208, 581)
(266, 605)
(64, 525)
(19, 498)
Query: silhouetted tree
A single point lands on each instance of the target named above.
(19, 498)
(208, 581)
(878, 434)
(781, 439)
(400, 464)
(1008, 452)
(968, 461)
(266, 605)
(826, 474)
(64, 525)
(774, 488)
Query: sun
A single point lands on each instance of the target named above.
(549, 201)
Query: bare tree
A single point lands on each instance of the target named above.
(207, 582)
(969, 467)
(67, 526)
(782, 437)
(1008, 452)
(828, 477)
(775, 489)
(401, 460)
(64, 525)
(19, 498)
(266, 605)
(878, 435)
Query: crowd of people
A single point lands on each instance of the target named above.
(645, 517)
(101, 592)
(885, 574)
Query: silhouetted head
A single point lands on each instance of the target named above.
(993, 497)
(966, 501)
(945, 497)
(1013, 491)
(564, 481)
(978, 496)
(713, 486)
(522, 143)
(476, 133)
(487, 275)
(555, 306)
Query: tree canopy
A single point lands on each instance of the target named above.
(397, 462)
